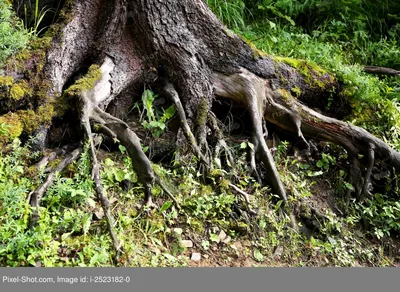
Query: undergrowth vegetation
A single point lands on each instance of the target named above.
(341, 37)
(71, 228)
(13, 36)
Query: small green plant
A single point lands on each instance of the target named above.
(382, 215)
(326, 161)
(281, 150)
(156, 121)
(37, 15)
(210, 206)
(12, 35)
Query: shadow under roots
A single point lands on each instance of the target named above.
(234, 119)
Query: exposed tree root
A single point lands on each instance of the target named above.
(105, 203)
(381, 70)
(173, 95)
(54, 155)
(221, 145)
(355, 140)
(365, 192)
(289, 114)
(37, 195)
(246, 198)
(248, 89)
(169, 194)
(117, 130)
(253, 165)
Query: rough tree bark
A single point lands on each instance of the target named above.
(198, 60)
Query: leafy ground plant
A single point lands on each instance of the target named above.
(12, 35)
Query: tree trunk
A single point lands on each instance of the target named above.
(182, 49)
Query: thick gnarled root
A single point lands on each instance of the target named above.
(250, 90)
(119, 130)
(101, 195)
(173, 95)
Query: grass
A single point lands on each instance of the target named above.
(12, 35)
(72, 229)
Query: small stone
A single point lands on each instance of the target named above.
(187, 243)
(237, 245)
(222, 235)
(206, 256)
(99, 215)
(278, 251)
(227, 240)
(196, 257)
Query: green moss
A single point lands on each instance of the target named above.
(302, 65)
(65, 16)
(296, 91)
(224, 184)
(43, 43)
(20, 90)
(310, 70)
(6, 81)
(285, 94)
(31, 120)
(202, 112)
(13, 128)
(14, 90)
(54, 163)
(216, 173)
(32, 172)
(29, 63)
(66, 13)
(86, 83)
